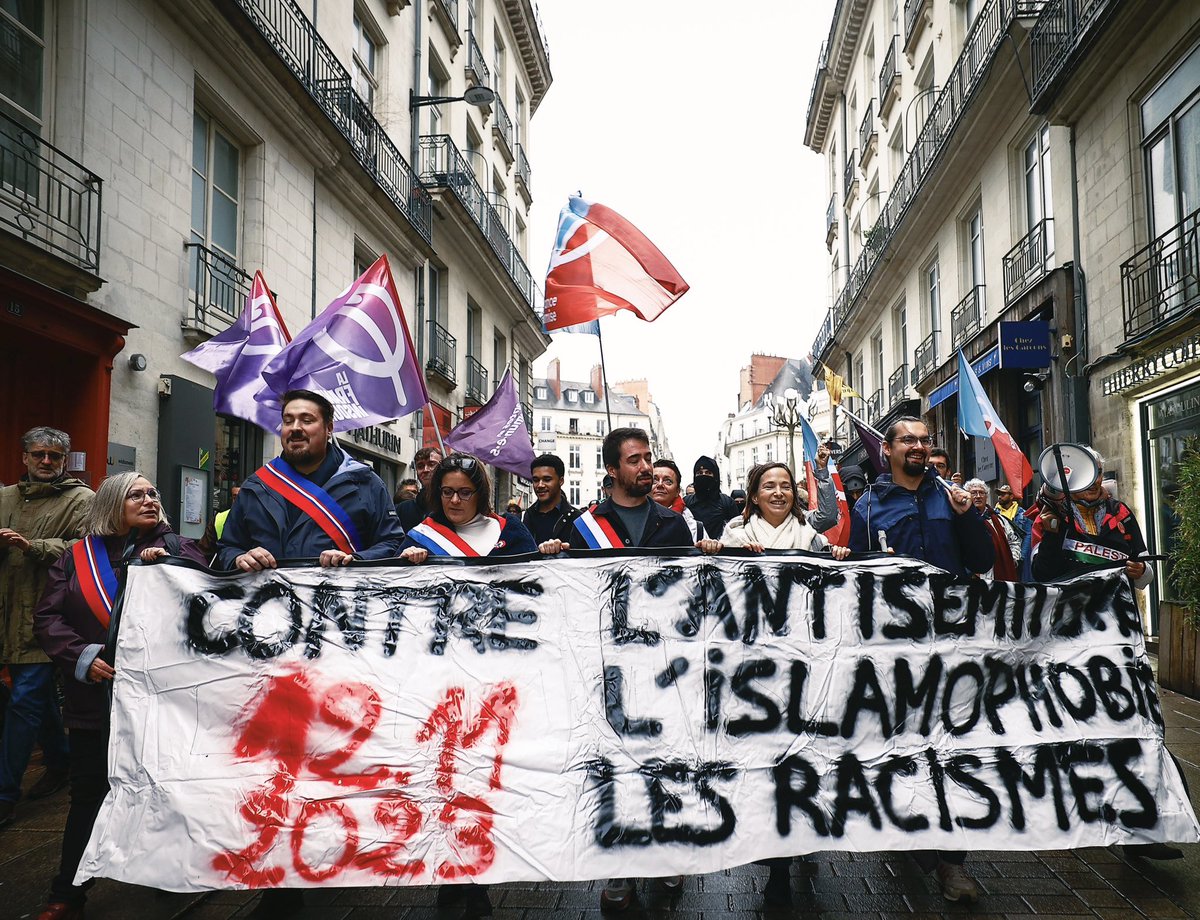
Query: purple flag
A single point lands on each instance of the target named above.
(871, 439)
(496, 434)
(358, 354)
(237, 356)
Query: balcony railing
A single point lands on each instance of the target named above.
(898, 386)
(312, 62)
(443, 353)
(477, 68)
(965, 318)
(1058, 38)
(889, 75)
(477, 379)
(527, 411)
(47, 198)
(912, 12)
(850, 177)
(831, 221)
(874, 408)
(1162, 281)
(866, 134)
(502, 128)
(523, 171)
(443, 166)
(1028, 262)
(924, 358)
(962, 84)
(217, 286)
(450, 9)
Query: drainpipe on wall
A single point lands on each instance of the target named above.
(1078, 416)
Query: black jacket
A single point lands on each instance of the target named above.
(554, 524)
(664, 528)
(713, 511)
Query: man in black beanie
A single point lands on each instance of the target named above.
(710, 506)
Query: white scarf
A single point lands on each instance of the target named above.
(480, 533)
(791, 534)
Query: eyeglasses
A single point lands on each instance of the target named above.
(911, 440)
(466, 464)
(54, 455)
(140, 495)
(464, 495)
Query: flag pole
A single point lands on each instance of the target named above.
(437, 430)
(604, 375)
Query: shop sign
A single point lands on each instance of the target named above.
(988, 361)
(547, 442)
(1175, 407)
(1151, 366)
(377, 436)
(1025, 345)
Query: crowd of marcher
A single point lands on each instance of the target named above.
(64, 550)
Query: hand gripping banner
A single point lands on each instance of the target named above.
(615, 715)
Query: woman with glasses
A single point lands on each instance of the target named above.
(71, 623)
(462, 522)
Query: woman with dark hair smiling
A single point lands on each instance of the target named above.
(462, 522)
(71, 623)
(773, 520)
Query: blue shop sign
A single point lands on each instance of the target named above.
(988, 361)
(1025, 346)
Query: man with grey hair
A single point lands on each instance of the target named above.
(40, 516)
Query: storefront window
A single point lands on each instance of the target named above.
(239, 453)
(1173, 426)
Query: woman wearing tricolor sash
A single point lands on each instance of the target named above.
(72, 624)
(462, 523)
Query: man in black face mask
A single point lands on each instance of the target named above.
(710, 506)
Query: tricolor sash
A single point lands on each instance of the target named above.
(441, 540)
(279, 476)
(1093, 553)
(97, 579)
(597, 532)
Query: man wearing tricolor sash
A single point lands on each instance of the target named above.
(312, 501)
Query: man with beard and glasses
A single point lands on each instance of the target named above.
(626, 518)
(710, 506)
(314, 500)
(908, 511)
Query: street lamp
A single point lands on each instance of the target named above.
(476, 95)
(786, 413)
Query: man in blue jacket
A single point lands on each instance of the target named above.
(911, 511)
(314, 500)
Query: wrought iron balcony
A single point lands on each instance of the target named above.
(443, 353)
(477, 378)
(924, 358)
(850, 178)
(889, 76)
(443, 166)
(47, 198)
(1059, 38)
(477, 68)
(523, 172)
(874, 408)
(965, 318)
(831, 221)
(449, 8)
(1029, 261)
(912, 14)
(955, 98)
(1161, 282)
(312, 62)
(898, 386)
(867, 136)
(218, 287)
(527, 411)
(502, 128)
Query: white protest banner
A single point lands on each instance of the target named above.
(618, 715)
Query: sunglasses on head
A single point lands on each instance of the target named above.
(466, 464)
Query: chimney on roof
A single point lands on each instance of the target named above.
(757, 376)
(597, 381)
(554, 378)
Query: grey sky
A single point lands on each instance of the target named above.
(688, 119)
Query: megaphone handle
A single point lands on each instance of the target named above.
(1062, 472)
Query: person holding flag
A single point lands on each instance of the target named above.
(72, 623)
(313, 500)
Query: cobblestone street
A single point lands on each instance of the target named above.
(1091, 883)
